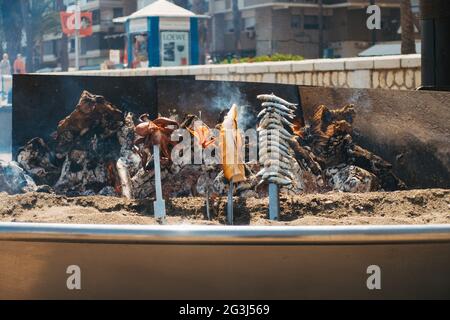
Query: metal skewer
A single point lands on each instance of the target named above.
(208, 214)
(274, 201)
(230, 204)
(159, 205)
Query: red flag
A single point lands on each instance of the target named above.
(68, 23)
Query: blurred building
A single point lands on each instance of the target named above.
(293, 27)
(94, 50)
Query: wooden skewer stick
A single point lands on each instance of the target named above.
(159, 205)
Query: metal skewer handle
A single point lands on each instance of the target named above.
(230, 204)
(274, 201)
(159, 205)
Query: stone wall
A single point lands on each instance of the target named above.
(401, 72)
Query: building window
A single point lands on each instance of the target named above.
(249, 23)
(96, 17)
(229, 26)
(296, 22)
(118, 12)
(72, 45)
(311, 22)
(50, 48)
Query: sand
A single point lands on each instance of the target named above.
(431, 206)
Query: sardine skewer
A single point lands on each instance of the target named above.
(278, 144)
(274, 117)
(275, 171)
(275, 131)
(277, 106)
(264, 147)
(271, 110)
(277, 163)
(274, 98)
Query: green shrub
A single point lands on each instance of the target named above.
(266, 58)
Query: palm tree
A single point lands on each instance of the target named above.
(64, 52)
(236, 26)
(39, 19)
(407, 25)
(321, 46)
(12, 26)
(182, 3)
(199, 6)
(25, 8)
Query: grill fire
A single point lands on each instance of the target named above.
(100, 150)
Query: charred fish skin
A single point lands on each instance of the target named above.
(262, 113)
(274, 175)
(282, 130)
(280, 181)
(275, 171)
(270, 173)
(274, 135)
(278, 146)
(271, 111)
(274, 98)
(263, 157)
(273, 154)
(274, 117)
(277, 106)
(277, 163)
(286, 159)
(275, 131)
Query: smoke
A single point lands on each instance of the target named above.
(229, 94)
(359, 98)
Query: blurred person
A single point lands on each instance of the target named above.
(19, 65)
(5, 66)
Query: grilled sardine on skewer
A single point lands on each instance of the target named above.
(278, 146)
(272, 110)
(276, 131)
(277, 106)
(274, 98)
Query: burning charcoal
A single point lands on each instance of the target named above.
(91, 150)
(351, 179)
(37, 160)
(220, 184)
(184, 182)
(328, 141)
(44, 189)
(14, 180)
(324, 117)
(92, 114)
(143, 184)
(381, 168)
(126, 137)
(88, 193)
(205, 181)
(108, 191)
(124, 178)
(78, 173)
